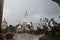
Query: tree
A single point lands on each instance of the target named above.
(59, 16)
(12, 28)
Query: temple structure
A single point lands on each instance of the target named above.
(27, 24)
(4, 24)
(19, 27)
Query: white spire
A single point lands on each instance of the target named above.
(19, 22)
(4, 20)
(26, 14)
(26, 17)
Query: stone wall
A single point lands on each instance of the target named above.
(1, 12)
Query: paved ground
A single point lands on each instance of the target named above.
(26, 36)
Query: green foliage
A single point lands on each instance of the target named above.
(54, 33)
(6, 30)
(49, 37)
(38, 30)
(12, 29)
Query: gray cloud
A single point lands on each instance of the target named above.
(14, 10)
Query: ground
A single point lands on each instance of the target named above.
(26, 36)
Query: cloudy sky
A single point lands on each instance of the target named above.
(14, 10)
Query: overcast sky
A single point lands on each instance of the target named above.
(14, 10)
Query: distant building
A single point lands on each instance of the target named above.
(27, 25)
(26, 20)
(19, 27)
(4, 24)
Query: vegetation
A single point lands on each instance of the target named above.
(54, 33)
(11, 27)
(49, 37)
